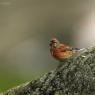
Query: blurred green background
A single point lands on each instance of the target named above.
(26, 26)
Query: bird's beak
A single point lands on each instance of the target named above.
(50, 44)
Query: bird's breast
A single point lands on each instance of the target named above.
(56, 52)
(59, 54)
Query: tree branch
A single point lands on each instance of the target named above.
(75, 76)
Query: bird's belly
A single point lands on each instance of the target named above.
(62, 55)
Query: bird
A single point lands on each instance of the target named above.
(61, 51)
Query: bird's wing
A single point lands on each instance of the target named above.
(64, 48)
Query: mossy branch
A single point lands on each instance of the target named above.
(76, 76)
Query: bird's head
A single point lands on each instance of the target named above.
(54, 43)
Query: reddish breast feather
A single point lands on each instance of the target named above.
(55, 52)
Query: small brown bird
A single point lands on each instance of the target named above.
(61, 51)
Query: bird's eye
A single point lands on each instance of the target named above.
(55, 44)
(50, 44)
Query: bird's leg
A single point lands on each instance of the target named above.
(60, 65)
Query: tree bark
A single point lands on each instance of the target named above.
(74, 76)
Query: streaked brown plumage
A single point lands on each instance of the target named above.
(59, 50)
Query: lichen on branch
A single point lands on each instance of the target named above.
(75, 76)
